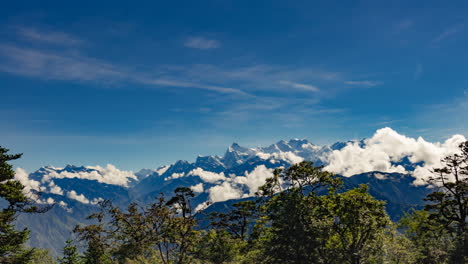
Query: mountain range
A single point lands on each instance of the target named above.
(218, 181)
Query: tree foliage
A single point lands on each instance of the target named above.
(449, 205)
(12, 249)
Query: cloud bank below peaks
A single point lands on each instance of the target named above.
(386, 148)
(108, 174)
(43, 181)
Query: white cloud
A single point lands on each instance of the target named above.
(108, 174)
(198, 188)
(232, 188)
(207, 176)
(300, 86)
(387, 146)
(365, 83)
(201, 43)
(64, 205)
(29, 185)
(287, 156)
(175, 176)
(81, 198)
(224, 192)
(48, 36)
(201, 206)
(255, 179)
(48, 65)
(78, 197)
(162, 170)
(54, 188)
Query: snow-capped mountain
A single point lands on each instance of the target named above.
(393, 165)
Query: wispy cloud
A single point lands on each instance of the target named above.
(260, 77)
(364, 83)
(55, 66)
(71, 67)
(201, 43)
(50, 37)
(55, 63)
(176, 83)
(448, 33)
(300, 86)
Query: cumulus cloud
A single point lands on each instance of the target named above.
(55, 189)
(223, 192)
(30, 185)
(288, 156)
(254, 179)
(175, 176)
(78, 197)
(81, 198)
(108, 174)
(233, 187)
(207, 176)
(198, 188)
(387, 147)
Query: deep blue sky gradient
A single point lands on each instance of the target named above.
(142, 84)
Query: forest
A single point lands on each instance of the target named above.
(300, 215)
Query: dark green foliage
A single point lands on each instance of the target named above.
(70, 254)
(12, 241)
(42, 256)
(217, 247)
(236, 221)
(358, 221)
(308, 228)
(163, 229)
(449, 205)
(432, 242)
(97, 238)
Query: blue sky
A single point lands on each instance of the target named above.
(145, 84)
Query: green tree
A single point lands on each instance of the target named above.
(12, 249)
(396, 247)
(449, 205)
(298, 223)
(96, 236)
(432, 242)
(182, 233)
(70, 254)
(218, 247)
(164, 230)
(309, 221)
(131, 231)
(359, 221)
(237, 220)
(42, 256)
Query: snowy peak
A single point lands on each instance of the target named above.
(293, 145)
(210, 163)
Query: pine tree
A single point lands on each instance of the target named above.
(70, 254)
(449, 204)
(12, 241)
